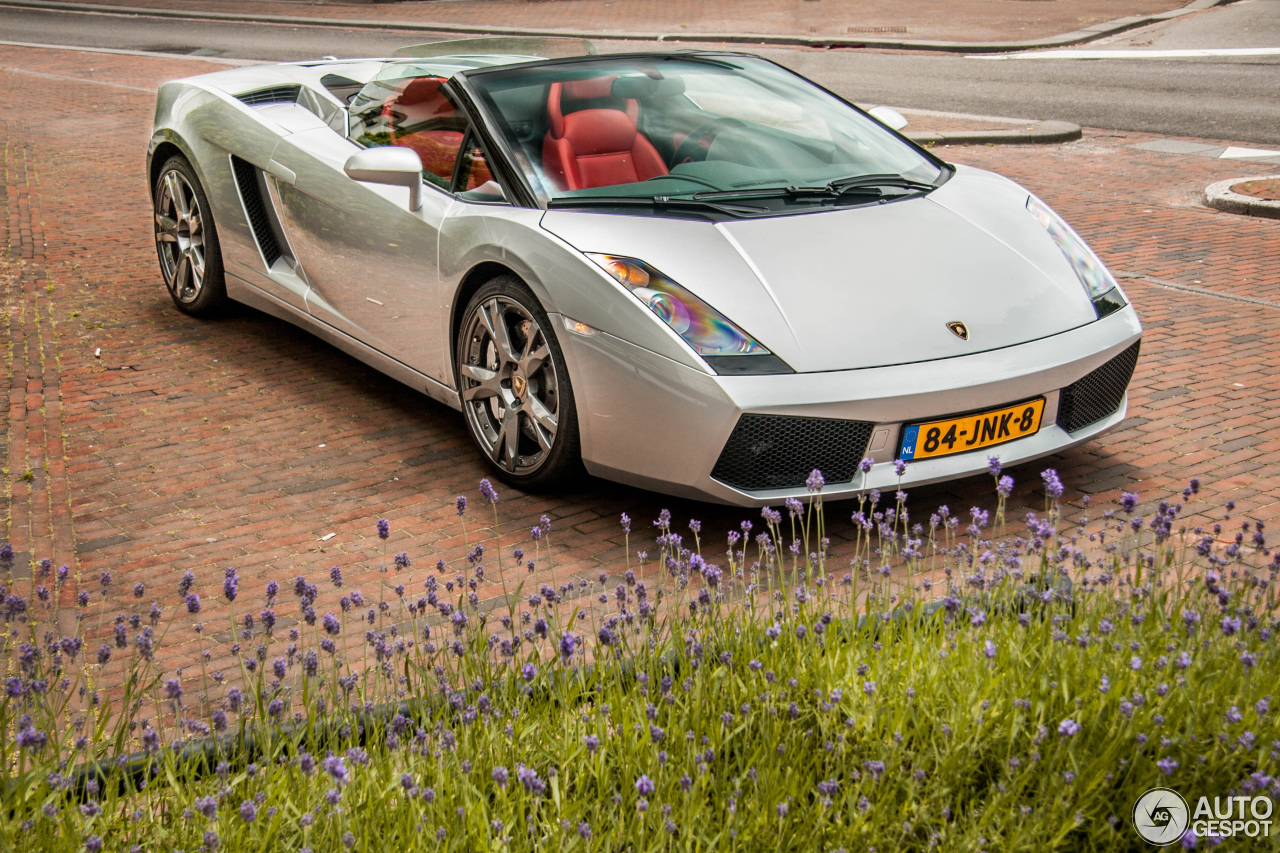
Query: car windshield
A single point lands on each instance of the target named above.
(691, 129)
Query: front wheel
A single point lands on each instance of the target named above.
(186, 240)
(515, 389)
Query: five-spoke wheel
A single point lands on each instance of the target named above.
(186, 240)
(515, 387)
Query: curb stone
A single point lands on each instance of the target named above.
(1096, 31)
(1220, 197)
(1039, 133)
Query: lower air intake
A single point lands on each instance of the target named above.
(1098, 394)
(779, 452)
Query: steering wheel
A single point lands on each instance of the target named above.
(692, 149)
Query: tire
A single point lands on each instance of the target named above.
(515, 390)
(187, 241)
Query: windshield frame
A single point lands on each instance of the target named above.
(500, 135)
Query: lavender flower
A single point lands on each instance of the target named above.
(248, 811)
(487, 492)
(193, 602)
(1053, 487)
(644, 786)
(331, 624)
(1068, 727)
(384, 528)
(500, 776)
(230, 584)
(899, 467)
(568, 643)
(866, 464)
(815, 482)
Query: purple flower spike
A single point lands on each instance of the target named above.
(1068, 727)
(462, 504)
(193, 602)
(815, 481)
(568, 643)
(487, 492)
(644, 786)
(626, 523)
(384, 528)
(899, 467)
(993, 465)
(1129, 502)
(866, 464)
(231, 584)
(331, 624)
(1004, 487)
(1052, 485)
(248, 811)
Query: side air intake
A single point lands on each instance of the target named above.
(273, 95)
(249, 182)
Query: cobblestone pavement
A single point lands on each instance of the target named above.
(143, 443)
(917, 20)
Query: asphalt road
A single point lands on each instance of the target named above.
(1219, 97)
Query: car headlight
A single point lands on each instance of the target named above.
(724, 346)
(1097, 280)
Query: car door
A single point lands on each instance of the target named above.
(373, 264)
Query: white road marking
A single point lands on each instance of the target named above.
(1234, 153)
(1138, 54)
(222, 60)
(76, 79)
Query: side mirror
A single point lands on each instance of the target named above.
(391, 164)
(889, 117)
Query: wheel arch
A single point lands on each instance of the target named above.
(164, 145)
(474, 279)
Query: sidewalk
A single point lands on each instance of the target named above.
(961, 25)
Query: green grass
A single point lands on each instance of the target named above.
(999, 689)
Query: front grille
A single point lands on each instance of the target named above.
(779, 452)
(255, 209)
(1098, 394)
(273, 95)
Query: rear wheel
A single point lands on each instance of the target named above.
(186, 240)
(515, 389)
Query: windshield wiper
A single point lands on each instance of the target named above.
(862, 182)
(693, 202)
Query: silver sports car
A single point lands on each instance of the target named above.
(690, 271)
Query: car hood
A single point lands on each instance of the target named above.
(868, 286)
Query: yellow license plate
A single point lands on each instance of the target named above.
(971, 432)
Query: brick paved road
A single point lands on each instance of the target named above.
(198, 445)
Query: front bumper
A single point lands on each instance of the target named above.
(650, 422)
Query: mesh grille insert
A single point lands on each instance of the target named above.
(1097, 394)
(779, 452)
(256, 210)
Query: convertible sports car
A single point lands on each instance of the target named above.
(690, 271)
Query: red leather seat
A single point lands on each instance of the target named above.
(422, 118)
(595, 147)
